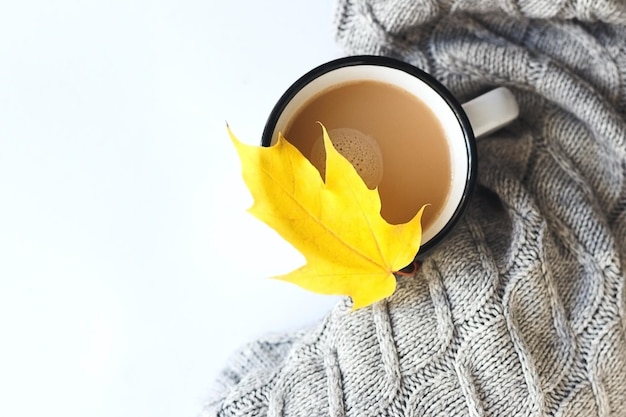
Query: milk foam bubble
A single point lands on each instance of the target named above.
(360, 149)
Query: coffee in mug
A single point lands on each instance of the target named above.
(375, 125)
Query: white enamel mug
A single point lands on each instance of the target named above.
(462, 123)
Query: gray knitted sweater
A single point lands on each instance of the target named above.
(521, 312)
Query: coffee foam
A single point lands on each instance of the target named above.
(360, 149)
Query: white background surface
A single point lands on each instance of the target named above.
(129, 269)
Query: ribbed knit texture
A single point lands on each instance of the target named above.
(521, 312)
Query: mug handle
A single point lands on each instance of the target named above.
(491, 111)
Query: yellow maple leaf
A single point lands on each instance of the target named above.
(336, 224)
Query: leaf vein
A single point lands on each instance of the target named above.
(317, 219)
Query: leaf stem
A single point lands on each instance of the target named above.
(409, 269)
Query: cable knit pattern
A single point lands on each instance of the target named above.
(521, 311)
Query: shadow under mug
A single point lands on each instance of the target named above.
(461, 124)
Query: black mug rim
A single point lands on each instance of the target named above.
(452, 102)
